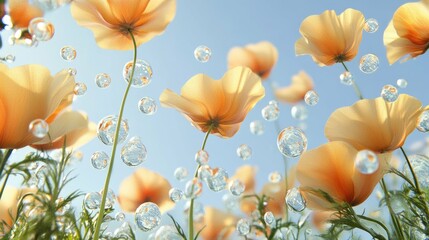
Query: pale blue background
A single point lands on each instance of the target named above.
(171, 141)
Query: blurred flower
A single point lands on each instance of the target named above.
(22, 12)
(218, 225)
(144, 186)
(329, 38)
(9, 205)
(320, 219)
(246, 174)
(222, 104)
(331, 169)
(295, 92)
(112, 20)
(407, 32)
(260, 57)
(29, 92)
(375, 124)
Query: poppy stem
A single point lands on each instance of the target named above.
(394, 218)
(191, 205)
(6, 156)
(115, 144)
(355, 86)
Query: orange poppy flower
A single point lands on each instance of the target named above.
(320, 219)
(222, 104)
(375, 124)
(9, 205)
(144, 186)
(301, 84)
(260, 57)
(331, 169)
(408, 32)
(112, 20)
(29, 92)
(246, 174)
(329, 38)
(22, 12)
(218, 225)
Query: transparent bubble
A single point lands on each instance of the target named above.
(167, 233)
(299, 112)
(236, 187)
(142, 73)
(68, 53)
(218, 181)
(147, 106)
(120, 216)
(134, 152)
(346, 78)
(420, 164)
(80, 89)
(230, 201)
(100, 160)
(202, 53)
(269, 218)
(369, 63)
(40, 29)
(107, 127)
(292, 142)
(274, 177)
(110, 198)
(176, 194)
(244, 152)
(181, 173)
(148, 216)
(243, 226)
(202, 157)
(295, 200)
(103, 80)
(402, 83)
(271, 112)
(423, 123)
(389, 93)
(257, 127)
(205, 172)
(8, 58)
(311, 98)
(198, 210)
(92, 200)
(371, 25)
(72, 71)
(39, 128)
(366, 162)
(193, 188)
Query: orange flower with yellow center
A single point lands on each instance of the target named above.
(295, 92)
(260, 57)
(219, 105)
(111, 21)
(329, 38)
(408, 32)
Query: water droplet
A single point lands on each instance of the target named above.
(371, 25)
(176, 194)
(218, 181)
(244, 152)
(167, 233)
(110, 198)
(120, 216)
(402, 83)
(142, 73)
(299, 112)
(295, 200)
(92, 200)
(72, 71)
(205, 172)
(193, 188)
(148, 216)
(8, 58)
(100, 160)
(103, 80)
(292, 142)
(202, 157)
(147, 106)
(420, 164)
(423, 123)
(181, 173)
(271, 111)
(236, 187)
(269, 218)
(40, 29)
(202, 53)
(257, 128)
(133, 152)
(68, 53)
(243, 226)
(389, 93)
(107, 127)
(366, 162)
(274, 177)
(39, 128)
(346, 78)
(79, 89)
(311, 98)
(369, 63)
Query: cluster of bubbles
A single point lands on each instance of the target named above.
(271, 111)
(292, 142)
(366, 162)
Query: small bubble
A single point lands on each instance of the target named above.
(244, 152)
(142, 73)
(369, 63)
(147, 106)
(72, 71)
(292, 142)
(389, 93)
(366, 162)
(68, 53)
(202, 157)
(181, 173)
(148, 216)
(176, 194)
(299, 112)
(271, 111)
(423, 123)
(92, 200)
(202, 53)
(193, 188)
(218, 181)
(402, 83)
(274, 177)
(243, 226)
(167, 233)
(79, 89)
(100, 160)
(40, 29)
(236, 187)
(371, 25)
(110, 198)
(39, 128)
(103, 80)
(205, 172)
(107, 127)
(134, 152)
(257, 127)
(8, 58)
(120, 217)
(269, 218)
(295, 200)
(346, 78)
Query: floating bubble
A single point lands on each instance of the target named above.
(295, 200)
(299, 112)
(218, 181)
(148, 216)
(271, 111)
(142, 73)
(202, 157)
(110, 198)
(389, 93)
(92, 200)
(176, 194)
(193, 188)
(40, 29)
(244, 152)
(167, 233)
(107, 127)
(257, 127)
(423, 123)
(292, 142)
(269, 218)
(103, 80)
(8, 58)
(243, 226)
(420, 164)
(100, 160)
(120, 217)
(49, 5)
(68, 53)
(366, 162)
(311, 98)
(274, 177)
(236, 187)
(402, 83)
(205, 172)
(147, 106)
(39, 128)
(346, 78)
(202, 53)
(371, 25)
(230, 201)
(181, 173)
(72, 71)
(369, 63)
(80, 89)
(134, 152)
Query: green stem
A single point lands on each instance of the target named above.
(355, 86)
(115, 144)
(6, 156)
(191, 206)
(395, 221)
(377, 222)
(364, 228)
